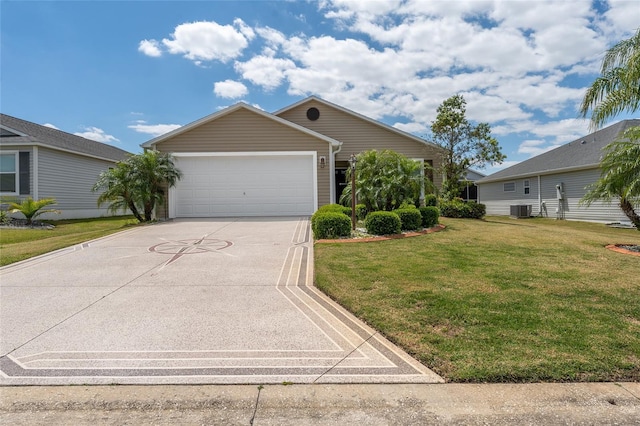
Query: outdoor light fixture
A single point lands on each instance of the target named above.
(323, 161)
(352, 161)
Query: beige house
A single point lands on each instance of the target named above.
(243, 161)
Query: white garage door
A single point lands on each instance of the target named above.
(244, 185)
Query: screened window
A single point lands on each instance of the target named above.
(509, 187)
(9, 173)
(527, 187)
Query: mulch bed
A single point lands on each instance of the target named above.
(384, 237)
(632, 249)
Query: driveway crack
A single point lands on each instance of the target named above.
(255, 409)
(345, 357)
(81, 310)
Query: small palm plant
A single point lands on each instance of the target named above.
(32, 209)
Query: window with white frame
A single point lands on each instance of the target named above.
(527, 187)
(9, 173)
(509, 187)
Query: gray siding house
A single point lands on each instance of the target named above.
(40, 162)
(551, 184)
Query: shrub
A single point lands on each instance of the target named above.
(331, 225)
(430, 200)
(383, 223)
(430, 215)
(410, 218)
(457, 208)
(5, 219)
(330, 208)
(361, 211)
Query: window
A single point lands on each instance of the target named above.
(9, 173)
(509, 187)
(527, 187)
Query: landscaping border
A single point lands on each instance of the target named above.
(614, 247)
(431, 230)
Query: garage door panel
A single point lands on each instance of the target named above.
(278, 185)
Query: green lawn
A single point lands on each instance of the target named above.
(20, 244)
(499, 300)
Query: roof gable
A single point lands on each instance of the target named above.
(230, 110)
(18, 131)
(356, 115)
(582, 153)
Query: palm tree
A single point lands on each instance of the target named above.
(32, 209)
(615, 91)
(618, 87)
(620, 176)
(138, 183)
(153, 171)
(118, 191)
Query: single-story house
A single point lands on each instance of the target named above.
(41, 162)
(243, 161)
(551, 184)
(470, 190)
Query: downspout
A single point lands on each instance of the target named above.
(332, 171)
(539, 198)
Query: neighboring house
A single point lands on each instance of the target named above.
(553, 183)
(40, 162)
(470, 191)
(242, 161)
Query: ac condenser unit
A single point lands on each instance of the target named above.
(520, 211)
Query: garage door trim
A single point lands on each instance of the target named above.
(312, 154)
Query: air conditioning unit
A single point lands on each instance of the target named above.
(520, 211)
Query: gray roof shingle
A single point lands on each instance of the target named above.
(35, 133)
(584, 152)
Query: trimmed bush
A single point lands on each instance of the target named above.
(361, 211)
(330, 208)
(430, 215)
(330, 225)
(382, 223)
(459, 209)
(410, 218)
(430, 200)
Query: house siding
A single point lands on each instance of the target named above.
(359, 135)
(69, 178)
(245, 131)
(498, 202)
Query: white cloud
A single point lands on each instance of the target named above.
(534, 147)
(264, 71)
(415, 128)
(230, 89)
(153, 129)
(208, 40)
(150, 48)
(97, 134)
(50, 126)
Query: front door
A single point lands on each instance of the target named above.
(341, 182)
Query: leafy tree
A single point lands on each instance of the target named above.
(615, 91)
(465, 145)
(384, 180)
(619, 176)
(618, 87)
(31, 209)
(138, 183)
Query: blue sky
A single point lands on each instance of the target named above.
(122, 72)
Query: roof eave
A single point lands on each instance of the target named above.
(229, 110)
(541, 173)
(356, 114)
(56, 148)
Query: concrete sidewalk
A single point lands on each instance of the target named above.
(408, 404)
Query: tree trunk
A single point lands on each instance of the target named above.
(627, 208)
(135, 212)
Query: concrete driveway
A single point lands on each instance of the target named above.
(216, 301)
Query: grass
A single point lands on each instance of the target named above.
(20, 244)
(499, 300)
